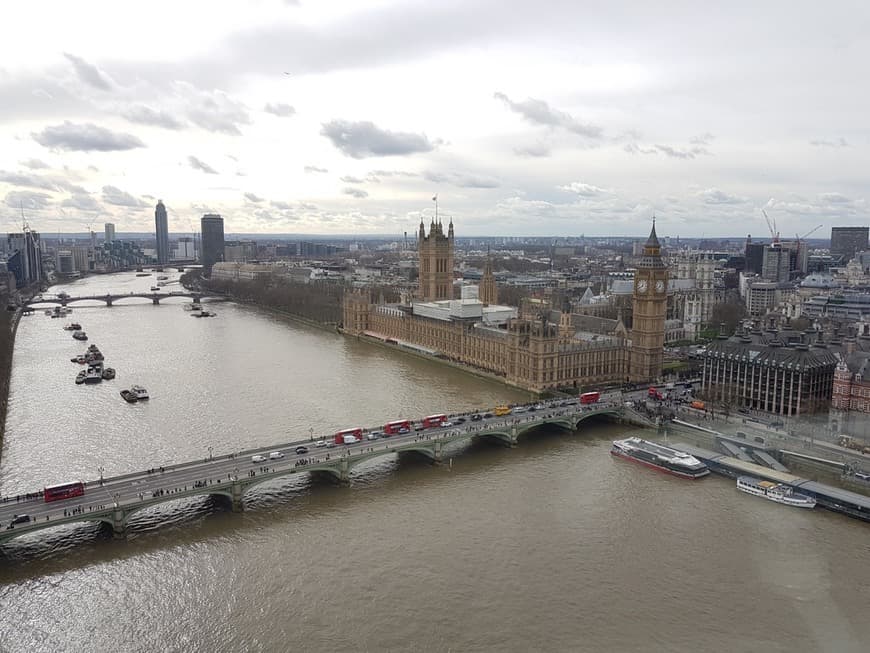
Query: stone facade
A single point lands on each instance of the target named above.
(436, 262)
(531, 352)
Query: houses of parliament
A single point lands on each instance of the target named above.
(529, 352)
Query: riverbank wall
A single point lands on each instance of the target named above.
(7, 350)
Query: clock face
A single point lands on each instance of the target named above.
(660, 286)
(642, 285)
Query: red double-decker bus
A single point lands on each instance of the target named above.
(590, 397)
(397, 426)
(63, 491)
(434, 421)
(341, 435)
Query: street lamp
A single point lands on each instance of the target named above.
(209, 453)
(311, 433)
(101, 469)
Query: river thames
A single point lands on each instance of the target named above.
(550, 546)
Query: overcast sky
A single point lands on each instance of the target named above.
(526, 118)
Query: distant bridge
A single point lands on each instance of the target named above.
(110, 298)
(113, 501)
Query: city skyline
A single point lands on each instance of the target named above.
(330, 119)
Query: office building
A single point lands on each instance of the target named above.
(847, 241)
(110, 232)
(212, 226)
(775, 264)
(161, 225)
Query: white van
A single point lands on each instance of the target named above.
(258, 458)
(275, 455)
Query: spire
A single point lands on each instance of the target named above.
(653, 240)
(450, 229)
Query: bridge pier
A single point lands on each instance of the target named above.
(436, 452)
(236, 496)
(108, 302)
(343, 474)
(155, 300)
(119, 524)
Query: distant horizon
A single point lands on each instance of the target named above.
(120, 235)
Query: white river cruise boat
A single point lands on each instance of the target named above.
(774, 492)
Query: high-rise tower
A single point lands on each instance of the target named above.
(161, 225)
(436, 262)
(212, 226)
(650, 303)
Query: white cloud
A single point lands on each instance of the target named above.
(86, 138)
(202, 166)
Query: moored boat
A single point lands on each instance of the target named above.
(129, 397)
(94, 373)
(80, 335)
(80, 377)
(73, 326)
(777, 492)
(659, 457)
(139, 392)
(108, 373)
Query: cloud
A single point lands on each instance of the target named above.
(89, 73)
(283, 206)
(86, 138)
(253, 198)
(540, 113)
(144, 115)
(214, 111)
(702, 139)
(352, 180)
(196, 164)
(584, 190)
(29, 181)
(43, 182)
(392, 173)
(675, 153)
(26, 199)
(279, 109)
(834, 198)
(34, 164)
(716, 196)
(364, 139)
(634, 148)
(462, 180)
(359, 193)
(840, 142)
(114, 195)
(534, 150)
(81, 202)
(315, 169)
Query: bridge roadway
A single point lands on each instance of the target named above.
(114, 499)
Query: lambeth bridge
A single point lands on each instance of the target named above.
(110, 298)
(113, 500)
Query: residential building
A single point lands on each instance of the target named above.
(161, 225)
(24, 257)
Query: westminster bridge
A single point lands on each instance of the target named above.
(110, 298)
(113, 500)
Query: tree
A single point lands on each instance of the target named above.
(729, 314)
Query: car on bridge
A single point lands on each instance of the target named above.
(374, 435)
(276, 455)
(301, 450)
(320, 443)
(258, 458)
(476, 417)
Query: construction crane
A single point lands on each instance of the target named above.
(809, 233)
(771, 225)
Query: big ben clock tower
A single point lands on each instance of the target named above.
(650, 304)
